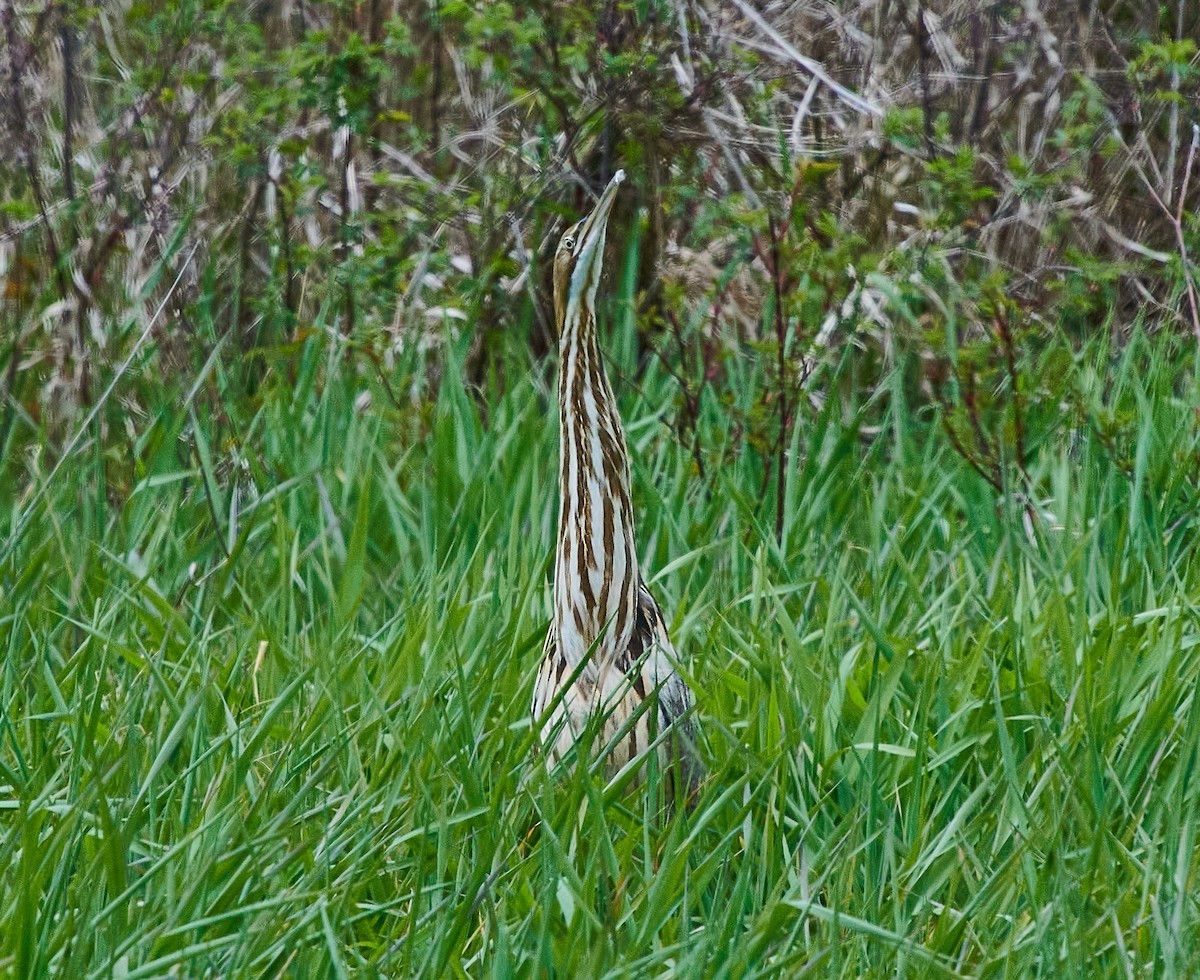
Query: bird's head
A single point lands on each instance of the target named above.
(578, 261)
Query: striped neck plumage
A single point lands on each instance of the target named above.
(596, 574)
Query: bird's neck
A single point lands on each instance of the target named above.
(596, 574)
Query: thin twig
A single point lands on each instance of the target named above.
(691, 399)
(67, 33)
(781, 366)
(961, 449)
(813, 67)
(1010, 360)
(1177, 222)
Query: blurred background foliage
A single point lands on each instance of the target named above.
(195, 189)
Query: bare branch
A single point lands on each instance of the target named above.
(810, 65)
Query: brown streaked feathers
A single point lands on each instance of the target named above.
(607, 653)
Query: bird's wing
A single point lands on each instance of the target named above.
(651, 646)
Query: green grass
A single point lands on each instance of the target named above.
(264, 708)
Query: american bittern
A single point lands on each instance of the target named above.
(607, 652)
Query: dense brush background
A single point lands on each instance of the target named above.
(901, 312)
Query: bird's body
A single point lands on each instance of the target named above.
(607, 652)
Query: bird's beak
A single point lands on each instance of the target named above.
(589, 249)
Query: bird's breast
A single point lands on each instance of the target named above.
(596, 570)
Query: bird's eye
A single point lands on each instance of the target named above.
(569, 242)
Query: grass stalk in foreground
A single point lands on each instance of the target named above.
(267, 712)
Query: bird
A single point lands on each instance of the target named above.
(607, 652)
